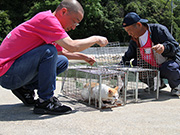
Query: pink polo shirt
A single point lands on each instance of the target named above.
(43, 28)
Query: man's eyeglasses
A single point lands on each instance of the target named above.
(76, 24)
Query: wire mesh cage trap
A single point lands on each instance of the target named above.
(99, 87)
(94, 81)
(137, 84)
(144, 77)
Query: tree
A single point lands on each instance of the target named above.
(176, 20)
(39, 6)
(93, 17)
(102, 17)
(16, 10)
(5, 24)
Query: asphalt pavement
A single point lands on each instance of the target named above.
(147, 117)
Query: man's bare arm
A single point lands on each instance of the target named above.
(81, 44)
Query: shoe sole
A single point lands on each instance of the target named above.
(175, 94)
(43, 111)
(17, 94)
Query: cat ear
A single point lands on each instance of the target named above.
(116, 88)
(110, 91)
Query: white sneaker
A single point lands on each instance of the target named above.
(175, 92)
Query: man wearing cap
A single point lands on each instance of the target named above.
(157, 37)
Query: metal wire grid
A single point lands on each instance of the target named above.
(75, 85)
(135, 86)
(147, 61)
(108, 55)
(143, 77)
(140, 77)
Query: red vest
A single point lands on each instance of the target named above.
(147, 53)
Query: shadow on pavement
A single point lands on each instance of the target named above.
(144, 96)
(19, 112)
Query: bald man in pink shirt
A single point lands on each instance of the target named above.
(29, 57)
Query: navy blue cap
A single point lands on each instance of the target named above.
(132, 18)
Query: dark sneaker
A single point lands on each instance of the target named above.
(51, 106)
(163, 85)
(26, 96)
(148, 89)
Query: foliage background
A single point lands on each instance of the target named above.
(102, 17)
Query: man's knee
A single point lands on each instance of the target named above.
(169, 69)
(62, 63)
(65, 61)
(50, 49)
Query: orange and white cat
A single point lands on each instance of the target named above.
(107, 93)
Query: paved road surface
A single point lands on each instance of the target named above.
(148, 117)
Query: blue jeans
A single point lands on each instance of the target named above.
(36, 69)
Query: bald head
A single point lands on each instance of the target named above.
(71, 5)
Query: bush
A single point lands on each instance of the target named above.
(5, 25)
